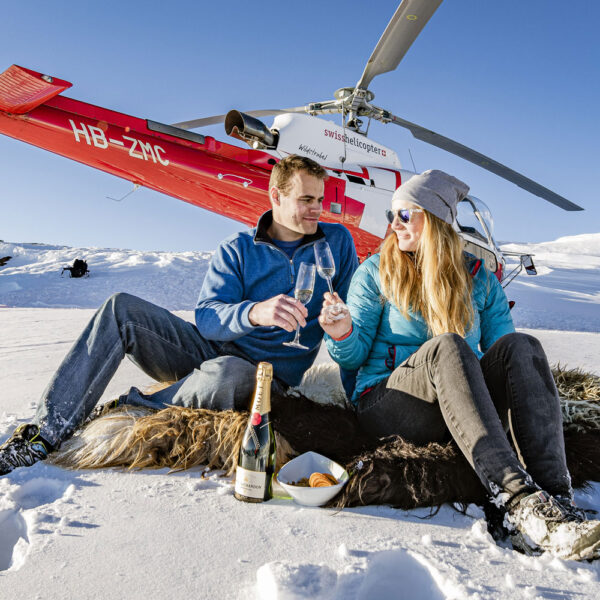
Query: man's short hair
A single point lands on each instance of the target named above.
(284, 170)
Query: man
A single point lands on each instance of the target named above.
(245, 312)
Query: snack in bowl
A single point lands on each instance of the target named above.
(301, 482)
(316, 480)
(294, 478)
(322, 480)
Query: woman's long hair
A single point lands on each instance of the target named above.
(434, 282)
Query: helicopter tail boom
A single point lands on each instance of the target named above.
(197, 169)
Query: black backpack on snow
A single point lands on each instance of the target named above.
(79, 269)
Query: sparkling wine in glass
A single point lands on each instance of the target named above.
(326, 269)
(325, 262)
(305, 285)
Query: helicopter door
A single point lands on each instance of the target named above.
(334, 201)
(365, 208)
(384, 179)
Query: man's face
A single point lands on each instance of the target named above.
(296, 213)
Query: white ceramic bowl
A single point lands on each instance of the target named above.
(303, 466)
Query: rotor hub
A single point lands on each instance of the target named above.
(347, 92)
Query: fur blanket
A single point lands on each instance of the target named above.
(388, 471)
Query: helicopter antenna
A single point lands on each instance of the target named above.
(412, 160)
(135, 187)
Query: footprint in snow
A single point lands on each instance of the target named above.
(390, 575)
(285, 580)
(14, 543)
(396, 574)
(14, 530)
(39, 491)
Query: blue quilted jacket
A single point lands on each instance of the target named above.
(382, 338)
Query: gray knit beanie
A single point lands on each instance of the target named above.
(435, 191)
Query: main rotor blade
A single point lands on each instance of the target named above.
(402, 30)
(221, 118)
(485, 162)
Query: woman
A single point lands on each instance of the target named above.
(438, 354)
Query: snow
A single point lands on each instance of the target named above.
(565, 294)
(32, 276)
(121, 534)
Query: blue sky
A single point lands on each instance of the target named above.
(518, 80)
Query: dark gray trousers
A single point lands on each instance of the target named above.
(443, 391)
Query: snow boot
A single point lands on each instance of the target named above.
(542, 524)
(23, 448)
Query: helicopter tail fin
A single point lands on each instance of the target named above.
(22, 90)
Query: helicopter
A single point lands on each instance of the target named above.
(232, 181)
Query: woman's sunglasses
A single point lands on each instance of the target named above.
(404, 214)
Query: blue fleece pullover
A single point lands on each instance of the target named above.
(382, 338)
(248, 268)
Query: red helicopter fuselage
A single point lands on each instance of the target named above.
(201, 170)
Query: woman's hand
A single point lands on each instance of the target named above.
(342, 324)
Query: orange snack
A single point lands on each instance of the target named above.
(322, 480)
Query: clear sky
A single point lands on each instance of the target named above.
(518, 80)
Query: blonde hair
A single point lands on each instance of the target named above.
(435, 283)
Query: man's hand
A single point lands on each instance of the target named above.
(337, 327)
(280, 311)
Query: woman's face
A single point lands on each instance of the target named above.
(408, 234)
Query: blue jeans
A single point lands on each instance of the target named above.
(443, 391)
(165, 347)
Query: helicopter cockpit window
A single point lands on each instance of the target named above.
(468, 222)
(355, 179)
(475, 223)
(484, 214)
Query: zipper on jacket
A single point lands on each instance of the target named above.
(301, 247)
(291, 260)
(287, 258)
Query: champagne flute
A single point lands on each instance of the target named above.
(305, 285)
(326, 269)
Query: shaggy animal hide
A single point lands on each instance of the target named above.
(177, 438)
(390, 471)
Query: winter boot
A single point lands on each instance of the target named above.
(567, 502)
(23, 448)
(542, 524)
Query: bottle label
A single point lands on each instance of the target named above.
(252, 484)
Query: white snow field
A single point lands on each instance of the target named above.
(151, 534)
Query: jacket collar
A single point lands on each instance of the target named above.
(264, 222)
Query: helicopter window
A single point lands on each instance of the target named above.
(468, 222)
(354, 179)
(484, 214)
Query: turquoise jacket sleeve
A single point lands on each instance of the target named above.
(365, 304)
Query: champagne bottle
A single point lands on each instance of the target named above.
(256, 463)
